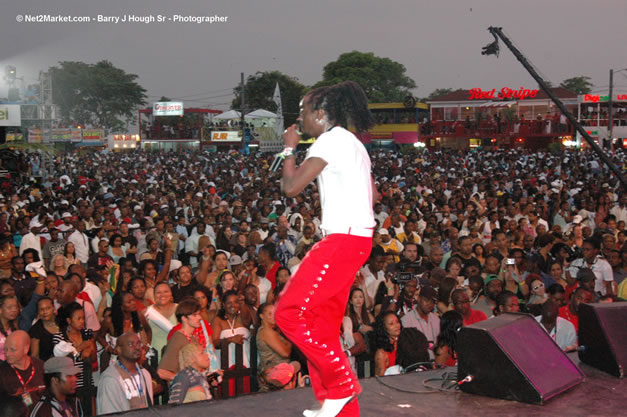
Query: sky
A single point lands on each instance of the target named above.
(439, 42)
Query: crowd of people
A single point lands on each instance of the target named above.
(136, 273)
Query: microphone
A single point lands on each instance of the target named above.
(279, 157)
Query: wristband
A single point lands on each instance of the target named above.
(287, 152)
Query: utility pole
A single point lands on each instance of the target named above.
(493, 49)
(610, 122)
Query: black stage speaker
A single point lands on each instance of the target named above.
(603, 336)
(512, 357)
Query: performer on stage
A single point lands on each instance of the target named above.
(311, 308)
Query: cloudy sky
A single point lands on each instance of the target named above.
(438, 41)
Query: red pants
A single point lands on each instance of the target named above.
(311, 308)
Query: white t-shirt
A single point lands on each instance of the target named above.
(600, 267)
(372, 281)
(265, 286)
(563, 333)
(345, 182)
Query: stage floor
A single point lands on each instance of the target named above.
(599, 395)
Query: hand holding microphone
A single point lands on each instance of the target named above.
(291, 137)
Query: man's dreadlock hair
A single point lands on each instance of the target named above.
(345, 103)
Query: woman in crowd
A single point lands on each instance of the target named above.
(226, 283)
(153, 253)
(59, 265)
(117, 250)
(43, 331)
(223, 239)
(9, 311)
(123, 283)
(412, 352)
(446, 346)
(387, 330)
(454, 269)
(137, 287)
(557, 273)
(208, 303)
(353, 343)
(76, 342)
(221, 263)
(152, 272)
(70, 253)
(241, 240)
(205, 249)
(161, 316)
(479, 252)
(512, 276)
(52, 283)
(536, 289)
(273, 348)
(575, 238)
(125, 318)
(190, 383)
(361, 319)
(283, 275)
(447, 285)
(228, 327)
(7, 252)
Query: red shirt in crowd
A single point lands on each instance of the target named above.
(271, 274)
(475, 316)
(565, 313)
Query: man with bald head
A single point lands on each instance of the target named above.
(21, 376)
(125, 385)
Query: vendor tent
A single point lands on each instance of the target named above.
(228, 115)
(261, 114)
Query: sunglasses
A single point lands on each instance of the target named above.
(538, 287)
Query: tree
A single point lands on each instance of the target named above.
(439, 92)
(97, 94)
(548, 83)
(382, 79)
(260, 91)
(580, 85)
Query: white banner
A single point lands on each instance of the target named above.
(226, 136)
(278, 124)
(167, 108)
(10, 115)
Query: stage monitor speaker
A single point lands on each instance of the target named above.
(512, 357)
(603, 336)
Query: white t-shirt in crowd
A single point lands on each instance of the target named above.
(372, 281)
(345, 182)
(602, 271)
